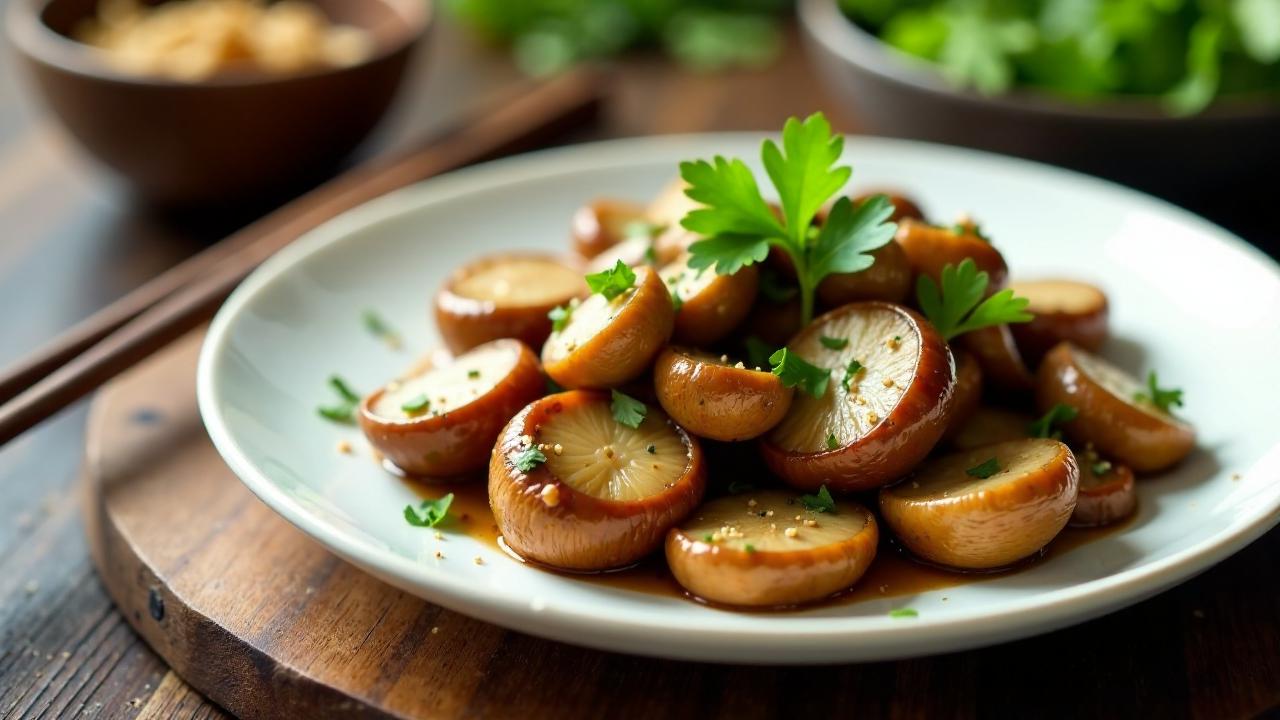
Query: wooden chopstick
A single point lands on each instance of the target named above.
(147, 319)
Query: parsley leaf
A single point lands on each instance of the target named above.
(528, 459)
(749, 548)
(804, 171)
(560, 315)
(832, 343)
(416, 405)
(850, 373)
(380, 329)
(433, 511)
(1100, 467)
(822, 502)
(758, 352)
(1044, 427)
(794, 370)
(677, 302)
(612, 282)
(955, 308)
(1161, 398)
(984, 470)
(739, 227)
(903, 613)
(627, 410)
(832, 443)
(344, 411)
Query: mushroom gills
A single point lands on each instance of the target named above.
(521, 281)
(448, 387)
(593, 453)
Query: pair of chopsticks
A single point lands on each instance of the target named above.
(157, 313)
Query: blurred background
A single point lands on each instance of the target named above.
(132, 136)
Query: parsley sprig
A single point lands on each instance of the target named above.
(957, 306)
(345, 410)
(822, 502)
(1045, 427)
(738, 227)
(612, 282)
(429, 513)
(793, 370)
(1158, 396)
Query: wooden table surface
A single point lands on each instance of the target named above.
(71, 240)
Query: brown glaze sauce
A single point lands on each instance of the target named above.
(893, 573)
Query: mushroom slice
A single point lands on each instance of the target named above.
(903, 206)
(1107, 492)
(504, 296)
(888, 279)
(709, 305)
(606, 342)
(765, 549)
(998, 355)
(443, 421)
(715, 398)
(989, 426)
(1064, 310)
(930, 248)
(600, 225)
(1108, 413)
(967, 396)
(985, 508)
(872, 425)
(605, 494)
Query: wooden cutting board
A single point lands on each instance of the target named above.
(268, 624)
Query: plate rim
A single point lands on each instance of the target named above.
(808, 638)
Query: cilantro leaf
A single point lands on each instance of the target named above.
(984, 470)
(849, 234)
(903, 613)
(528, 459)
(728, 253)
(832, 443)
(758, 352)
(433, 511)
(416, 405)
(822, 502)
(344, 411)
(833, 343)
(612, 282)
(794, 370)
(1155, 395)
(734, 205)
(957, 306)
(804, 171)
(1100, 467)
(343, 389)
(850, 373)
(1044, 427)
(380, 329)
(627, 410)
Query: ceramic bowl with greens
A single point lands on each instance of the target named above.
(1173, 95)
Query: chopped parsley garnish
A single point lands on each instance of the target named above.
(652, 449)
(651, 255)
(984, 470)
(560, 315)
(432, 512)
(903, 613)
(850, 373)
(553, 387)
(738, 227)
(832, 343)
(1101, 467)
(1155, 395)
(740, 486)
(773, 289)
(793, 370)
(957, 307)
(1045, 426)
(380, 329)
(528, 459)
(822, 502)
(708, 538)
(676, 301)
(627, 410)
(758, 352)
(417, 405)
(473, 374)
(749, 548)
(345, 410)
(612, 282)
(832, 443)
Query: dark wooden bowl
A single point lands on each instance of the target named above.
(232, 138)
(1131, 140)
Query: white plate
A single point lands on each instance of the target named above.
(1188, 298)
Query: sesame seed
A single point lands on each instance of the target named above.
(872, 417)
(435, 631)
(550, 495)
(888, 382)
(439, 555)
(478, 560)
(752, 502)
(557, 449)
(810, 522)
(439, 535)
(344, 447)
(791, 532)
(768, 513)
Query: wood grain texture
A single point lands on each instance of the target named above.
(72, 241)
